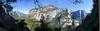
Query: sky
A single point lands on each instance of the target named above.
(25, 5)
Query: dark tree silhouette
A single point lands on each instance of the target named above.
(91, 22)
(7, 22)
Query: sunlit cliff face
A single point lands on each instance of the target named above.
(48, 10)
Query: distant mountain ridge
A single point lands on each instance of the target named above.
(17, 14)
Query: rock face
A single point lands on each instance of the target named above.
(79, 15)
(64, 19)
(46, 10)
(64, 15)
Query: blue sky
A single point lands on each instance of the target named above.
(25, 5)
